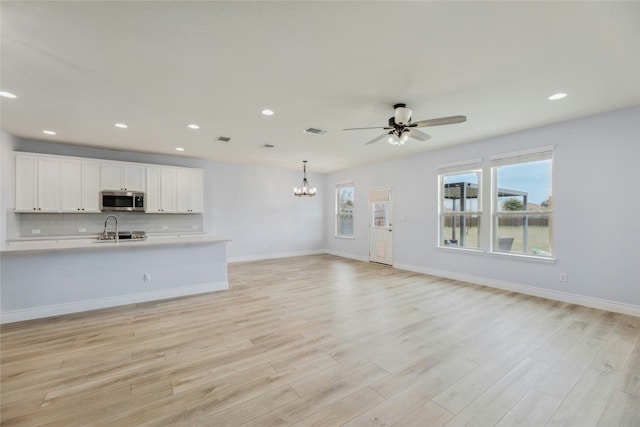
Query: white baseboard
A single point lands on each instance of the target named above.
(274, 256)
(616, 307)
(94, 304)
(347, 255)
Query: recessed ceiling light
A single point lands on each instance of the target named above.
(49, 132)
(121, 125)
(179, 149)
(267, 112)
(193, 126)
(557, 96)
(7, 94)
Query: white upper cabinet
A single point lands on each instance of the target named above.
(48, 183)
(161, 189)
(37, 183)
(189, 193)
(122, 176)
(79, 185)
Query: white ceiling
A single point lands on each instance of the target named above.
(79, 67)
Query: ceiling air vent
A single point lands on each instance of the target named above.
(223, 139)
(314, 131)
(267, 146)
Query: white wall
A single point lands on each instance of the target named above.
(596, 192)
(596, 188)
(253, 206)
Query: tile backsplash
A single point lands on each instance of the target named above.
(89, 224)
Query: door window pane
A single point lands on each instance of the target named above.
(380, 214)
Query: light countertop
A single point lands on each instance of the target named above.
(70, 243)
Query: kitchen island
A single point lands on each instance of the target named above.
(61, 275)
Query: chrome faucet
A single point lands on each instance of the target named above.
(104, 233)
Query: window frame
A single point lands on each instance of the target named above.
(471, 166)
(515, 158)
(339, 186)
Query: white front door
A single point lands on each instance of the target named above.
(380, 225)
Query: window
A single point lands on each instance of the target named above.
(344, 210)
(460, 204)
(522, 203)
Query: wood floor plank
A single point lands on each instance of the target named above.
(324, 340)
(430, 415)
(585, 404)
(534, 409)
(494, 403)
(622, 410)
(415, 395)
(343, 410)
(321, 398)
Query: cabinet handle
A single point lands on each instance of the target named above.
(35, 209)
(39, 209)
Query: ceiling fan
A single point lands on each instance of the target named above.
(400, 127)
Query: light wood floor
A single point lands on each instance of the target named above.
(322, 340)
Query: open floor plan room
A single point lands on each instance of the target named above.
(324, 340)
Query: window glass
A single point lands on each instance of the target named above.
(460, 208)
(523, 207)
(344, 211)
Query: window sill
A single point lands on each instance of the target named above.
(462, 250)
(523, 257)
(345, 237)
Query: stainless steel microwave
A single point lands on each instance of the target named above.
(123, 201)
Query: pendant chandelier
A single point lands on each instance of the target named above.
(305, 189)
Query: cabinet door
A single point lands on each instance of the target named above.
(111, 176)
(26, 183)
(183, 190)
(197, 190)
(153, 189)
(90, 186)
(70, 185)
(48, 190)
(168, 189)
(133, 177)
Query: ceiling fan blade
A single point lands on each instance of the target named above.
(378, 138)
(420, 136)
(377, 127)
(439, 121)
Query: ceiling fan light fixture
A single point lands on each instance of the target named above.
(404, 137)
(402, 115)
(305, 189)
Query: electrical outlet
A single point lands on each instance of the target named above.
(35, 231)
(564, 278)
(165, 227)
(146, 277)
(82, 230)
(195, 227)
